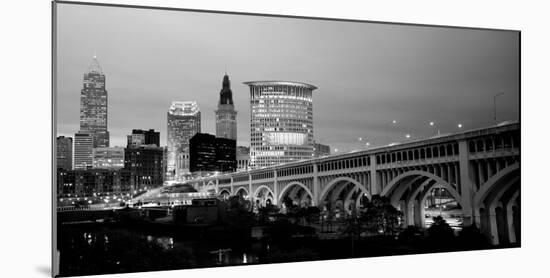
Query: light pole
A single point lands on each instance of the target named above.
(432, 124)
(495, 106)
(388, 130)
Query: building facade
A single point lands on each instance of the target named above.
(91, 182)
(226, 155)
(243, 158)
(146, 165)
(64, 152)
(93, 105)
(143, 137)
(208, 154)
(83, 150)
(281, 122)
(202, 153)
(320, 149)
(184, 121)
(226, 116)
(108, 158)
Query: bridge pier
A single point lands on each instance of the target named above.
(466, 184)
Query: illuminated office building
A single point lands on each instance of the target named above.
(184, 121)
(83, 150)
(281, 122)
(93, 105)
(108, 158)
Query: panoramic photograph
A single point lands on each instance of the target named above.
(193, 139)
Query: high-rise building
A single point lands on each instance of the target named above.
(202, 153)
(64, 152)
(146, 165)
(243, 158)
(320, 149)
(210, 154)
(143, 137)
(93, 105)
(184, 121)
(83, 150)
(108, 158)
(226, 116)
(226, 154)
(281, 122)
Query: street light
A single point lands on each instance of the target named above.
(407, 136)
(495, 106)
(459, 125)
(388, 130)
(433, 124)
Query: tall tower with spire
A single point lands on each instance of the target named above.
(226, 116)
(93, 105)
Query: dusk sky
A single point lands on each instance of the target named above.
(367, 74)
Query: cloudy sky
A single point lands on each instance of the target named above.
(367, 74)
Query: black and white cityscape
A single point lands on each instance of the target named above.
(192, 139)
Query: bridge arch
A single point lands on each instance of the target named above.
(398, 181)
(241, 190)
(490, 184)
(225, 193)
(263, 194)
(495, 206)
(289, 186)
(339, 184)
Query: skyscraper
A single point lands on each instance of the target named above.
(83, 146)
(226, 116)
(64, 152)
(184, 121)
(93, 105)
(281, 122)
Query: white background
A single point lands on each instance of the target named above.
(25, 238)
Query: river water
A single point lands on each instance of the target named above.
(101, 248)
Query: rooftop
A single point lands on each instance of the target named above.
(279, 82)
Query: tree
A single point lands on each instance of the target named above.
(471, 238)
(238, 212)
(440, 233)
(352, 228)
(380, 215)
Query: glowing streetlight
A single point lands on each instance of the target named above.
(335, 150)
(367, 144)
(459, 125)
(407, 136)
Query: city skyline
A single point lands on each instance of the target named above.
(399, 139)
(403, 75)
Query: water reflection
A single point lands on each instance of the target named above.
(96, 250)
